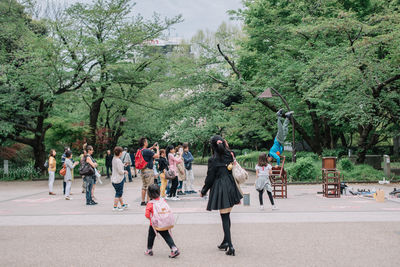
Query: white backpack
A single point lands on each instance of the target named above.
(163, 219)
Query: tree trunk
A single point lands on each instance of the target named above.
(93, 117)
(368, 139)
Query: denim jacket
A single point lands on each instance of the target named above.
(188, 158)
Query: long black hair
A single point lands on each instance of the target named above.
(219, 147)
(168, 150)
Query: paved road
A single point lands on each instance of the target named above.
(41, 230)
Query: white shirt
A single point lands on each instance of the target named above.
(263, 171)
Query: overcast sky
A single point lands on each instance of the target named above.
(197, 14)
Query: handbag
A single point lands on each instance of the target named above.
(63, 171)
(86, 169)
(169, 174)
(240, 174)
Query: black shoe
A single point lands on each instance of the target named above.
(143, 203)
(181, 193)
(231, 251)
(93, 203)
(223, 246)
(280, 112)
(289, 114)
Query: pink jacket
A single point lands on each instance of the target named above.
(172, 162)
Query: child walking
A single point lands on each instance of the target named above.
(263, 182)
(161, 221)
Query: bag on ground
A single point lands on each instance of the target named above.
(140, 163)
(163, 219)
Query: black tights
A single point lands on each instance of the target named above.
(226, 225)
(174, 186)
(260, 197)
(165, 234)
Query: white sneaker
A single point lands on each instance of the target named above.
(175, 198)
(274, 207)
(117, 209)
(167, 198)
(261, 207)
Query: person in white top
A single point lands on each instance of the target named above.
(263, 182)
(69, 174)
(117, 179)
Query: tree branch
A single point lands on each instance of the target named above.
(230, 62)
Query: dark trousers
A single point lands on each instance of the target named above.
(108, 169)
(64, 185)
(128, 168)
(260, 197)
(165, 234)
(89, 186)
(174, 186)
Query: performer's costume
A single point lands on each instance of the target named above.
(279, 140)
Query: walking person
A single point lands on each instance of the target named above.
(224, 192)
(90, 176)
(172, 161)
(69, 174)
(188, 161)
(263, 182)
(63, 157)
(126, 160)
(117, 179)
(277, 148)
(52, 170)
(144, 162)
(153, 209)
(109, 158)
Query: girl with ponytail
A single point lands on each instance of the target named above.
(224, 193)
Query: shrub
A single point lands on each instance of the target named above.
(346, 165)
(338, 152)
(303, 170)
(25, 173)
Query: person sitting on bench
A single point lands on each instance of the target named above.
(277, 149)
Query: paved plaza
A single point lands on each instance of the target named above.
(308, 230)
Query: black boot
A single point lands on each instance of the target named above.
(231, 251)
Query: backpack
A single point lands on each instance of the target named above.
(140, 163)
(46, 164)
(63, 171)
(163, 219)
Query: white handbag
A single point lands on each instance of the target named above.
(240, 174)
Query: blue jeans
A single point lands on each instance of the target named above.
(89, 186)
(128, 168)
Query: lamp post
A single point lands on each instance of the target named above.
(267, 94)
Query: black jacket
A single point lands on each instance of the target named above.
(224, 192)
(109, 159)
(162, 164)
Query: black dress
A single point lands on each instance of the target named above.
(224, 192)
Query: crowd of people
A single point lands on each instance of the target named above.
(167, 174)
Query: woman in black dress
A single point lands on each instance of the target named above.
(224, 193)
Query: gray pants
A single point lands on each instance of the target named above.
(282, 130)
